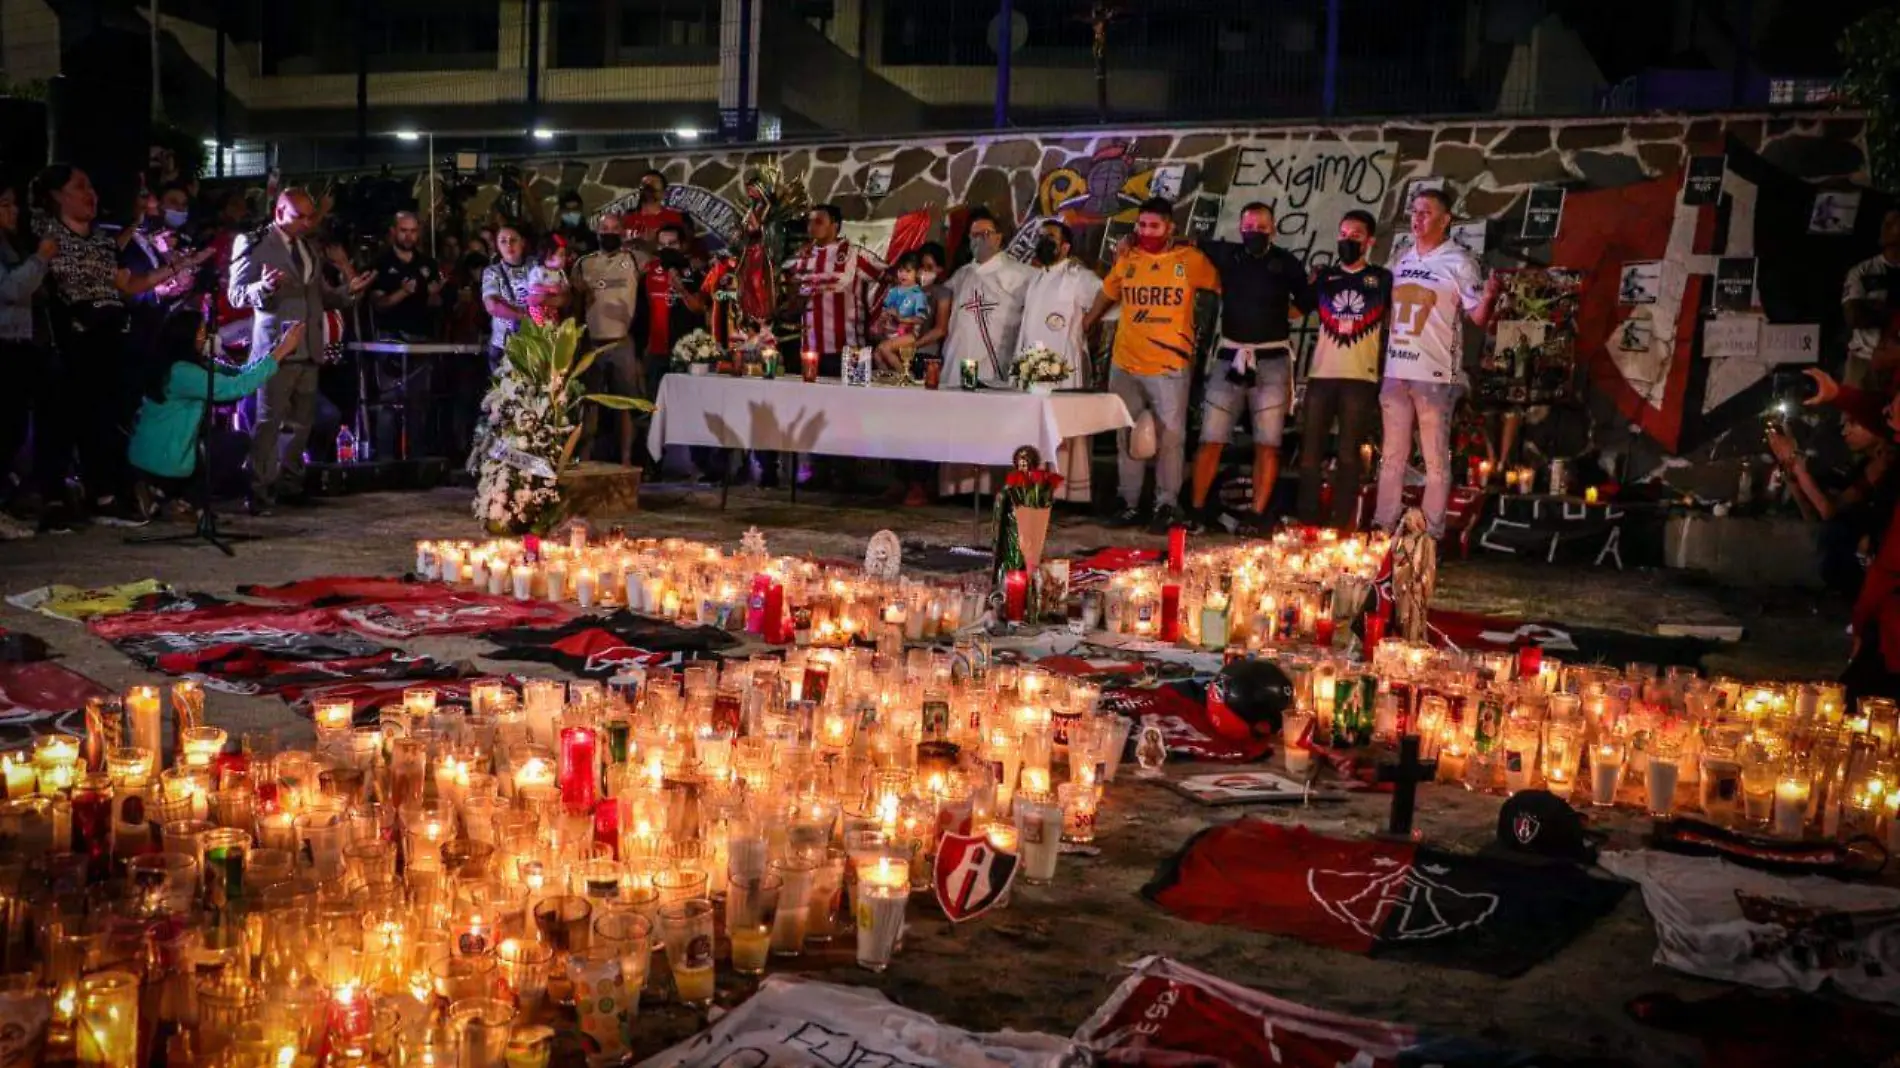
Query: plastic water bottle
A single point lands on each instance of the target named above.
(345, 446)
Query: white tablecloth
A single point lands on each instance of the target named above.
(891, 423)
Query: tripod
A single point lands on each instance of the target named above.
(207, 527)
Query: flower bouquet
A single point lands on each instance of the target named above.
(1041, 369)
(697, 353)
(530, 425)
(1027, 495)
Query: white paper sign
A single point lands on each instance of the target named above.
(1835, 212)
(1309, 184)
(1640, 283)
(1790, 342)
(1471, 235)
(1731, 337)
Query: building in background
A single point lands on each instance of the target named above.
(301, 81)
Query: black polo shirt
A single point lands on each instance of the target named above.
(1258, 292)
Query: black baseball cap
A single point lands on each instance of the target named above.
(1541, 823)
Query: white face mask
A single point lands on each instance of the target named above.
(926, 278)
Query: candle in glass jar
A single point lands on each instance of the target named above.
(579, 775)
(141, 708)
(522, 576)
(1791, 804)
(533, 771)
(1660, 774)
(333, 713)
(21, 779)
(1590, 495)
(1171, 612)
(55, 760)
(586, 581)
(1606, 771)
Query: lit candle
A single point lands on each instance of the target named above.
(523, 576)
(533, 772)
(580, 771)
(141, 708)
(586, 580)
(55, 759)
(1590, 495)
(1003, 837)
(333, 713)
(1606, 770)
(21, 779)
(1791, 804)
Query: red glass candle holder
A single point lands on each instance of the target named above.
(579, 778)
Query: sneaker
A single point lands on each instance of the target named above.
(1166, 518)
(122, 512)
(1129, 516)
(12, 529)
(256, 506)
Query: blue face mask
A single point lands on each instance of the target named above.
(176, 219)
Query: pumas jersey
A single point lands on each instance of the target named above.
(1431, 294)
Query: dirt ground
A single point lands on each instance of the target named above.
(1055, 952)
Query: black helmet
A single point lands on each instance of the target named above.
(1255, 692)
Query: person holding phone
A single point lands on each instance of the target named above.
(278, 272)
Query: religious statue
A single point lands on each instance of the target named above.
(1414, 575)
(884, 557)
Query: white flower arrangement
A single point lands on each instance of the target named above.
(696, 347)
(529, 427)
(1041, 365)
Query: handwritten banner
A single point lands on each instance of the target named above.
(1309, 185)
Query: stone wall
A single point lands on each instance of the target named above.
(1489, 167)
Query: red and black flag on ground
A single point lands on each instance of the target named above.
(603, 647)
(1168, 1015)
(396, 608)
(1383, 899)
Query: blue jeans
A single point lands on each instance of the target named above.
(1403, 402)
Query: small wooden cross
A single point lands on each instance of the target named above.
(1405, 777)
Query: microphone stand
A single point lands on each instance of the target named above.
(206, 529)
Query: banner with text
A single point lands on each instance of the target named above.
(1309, 184)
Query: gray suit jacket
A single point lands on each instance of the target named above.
(295, 297)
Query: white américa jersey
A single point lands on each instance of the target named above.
(1432, 292)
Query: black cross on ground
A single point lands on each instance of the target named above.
(1405, 777)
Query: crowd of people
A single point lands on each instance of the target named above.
(101, 324)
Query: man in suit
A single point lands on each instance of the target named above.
(277, 272)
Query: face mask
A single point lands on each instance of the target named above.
(176, 219)
(1155, 244)
(570, 218)
(609, 242)
(926, 278)
(1350, 249)
(1255, 242)
(1046, 251)
(982, 247)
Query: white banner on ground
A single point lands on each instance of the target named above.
(1722, 921)
(792, 1023)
